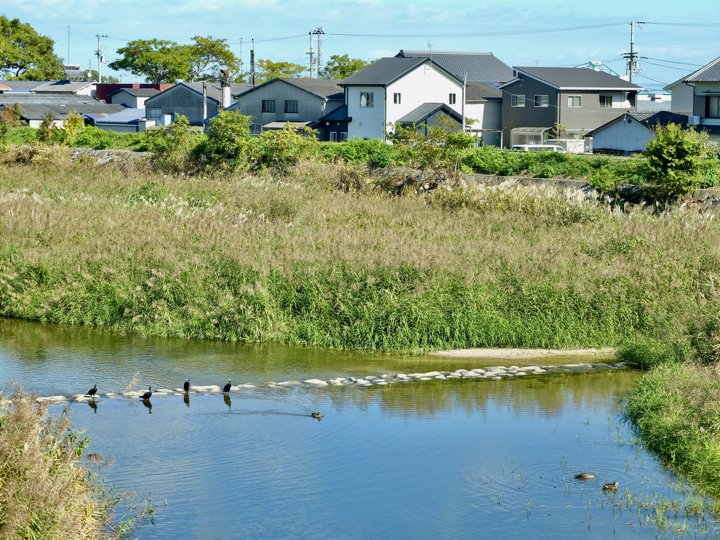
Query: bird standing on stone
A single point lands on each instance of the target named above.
(186, 386)
(92, 391)
(147, 394)
(226, 388)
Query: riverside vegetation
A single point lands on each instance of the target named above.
(228, 237)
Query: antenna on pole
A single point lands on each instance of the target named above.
(241, 59)
(252, 64)
(101, 59)
(68, 56)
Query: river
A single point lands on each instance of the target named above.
(428, 459)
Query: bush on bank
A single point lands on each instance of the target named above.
(50, 486)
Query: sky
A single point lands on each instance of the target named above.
(678, 37)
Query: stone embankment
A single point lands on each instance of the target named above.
(103, 157)
(492, 373)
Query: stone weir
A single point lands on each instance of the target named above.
(493, 373)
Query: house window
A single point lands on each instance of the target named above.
(574, 101)
(255, 129)
(268, 105)
(396, 98)
(713, 108)
(154, 114)
(291, 106)
(517, 101)
(333, 136)
(343, 136)
(452, 99)
(366, 99)
(606, 102)
(541, 101)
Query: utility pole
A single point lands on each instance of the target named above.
(68, 56)
(632, 57)
(311, 53)
(252, 64)
(204, 104)
(463, 101)
(100, 56)
(241, 59)
(319, 33)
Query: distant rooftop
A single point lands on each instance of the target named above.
(707, 73)
(138, 92)
(63, 86)
(482, 67)
(124, 117)
(387, 70)
(214, 90)
(22, 86)
(475, 91)
(577, 78)
(322, 88)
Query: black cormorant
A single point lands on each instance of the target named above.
(147, 394)
(186, 386)
(226, 388)
(92, 391)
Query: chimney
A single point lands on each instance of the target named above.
(226, 99)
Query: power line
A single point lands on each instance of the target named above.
(483, 34)
(674, 62)
(663, 66)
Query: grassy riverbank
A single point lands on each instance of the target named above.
(50, 488)
(294, 259)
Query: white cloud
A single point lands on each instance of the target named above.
(380, 53)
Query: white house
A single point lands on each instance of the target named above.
(699, 93)
(630, 132)
(392, 89)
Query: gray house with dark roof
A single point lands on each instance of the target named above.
(579, 99)
(483, 67)
(300, 101)
(628, 133)
(699, 94)
(186, 99)
(134, 98)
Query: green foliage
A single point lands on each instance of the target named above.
(228, 144)
(676, 159)
(22, 135)
(370, 152)
(48, 128)
(93, 137)
(281, 149)
(440, 148)
(172, 146)
(269, 70)
(158, 60)
(208, 56)
(25, 54)
(648, 352)
(706, 342)
(72, 126)
(342, 66)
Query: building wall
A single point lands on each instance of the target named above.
(367, 122)
(590, 115)
(682, 97)
(529, 115)
(181, 100)
(310, 107)
(123, 98)
(120, 128)
(627, 135)
(488, 115)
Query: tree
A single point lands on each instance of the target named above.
(208, 56)
(341, 67)
(158, 60)
(25, 54)
(677, 159)
(272, 70)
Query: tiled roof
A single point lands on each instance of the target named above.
(385, 71)
(36, 111)
(475, 91)
(577, 78)
(138, 92)
(322, 88)
(708, 73)
(63, 86)
(214, 90)
(479, 66)
(426, 110)
(23, 86)
(651, 119)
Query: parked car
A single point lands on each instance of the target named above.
(538, 148)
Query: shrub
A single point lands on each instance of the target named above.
(72, 126)
(172, 146)
(370, 152)
(47, 128)
(280, 149)
(227, 144)
(648, 352)
(676, 158)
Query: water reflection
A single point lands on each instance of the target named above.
(93, 405)
(147, 404)
(226, 398)
(186, 399)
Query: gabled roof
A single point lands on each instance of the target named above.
(650, 119)
(31, 98)
(574, 79)
(322, 88)
(124, 117)
(36, 111)
(475, 91)
(63, 86)
(23, 86)
(707, 73)
(214, 90)
(137, 92)
(426, 110)
(338, 115)
(479, 66)
(385, 71)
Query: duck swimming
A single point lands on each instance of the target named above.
(317, 415)
(584, 476)
(611, 487)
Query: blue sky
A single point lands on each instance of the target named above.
(439, 23)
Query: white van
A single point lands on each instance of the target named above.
(539, 148)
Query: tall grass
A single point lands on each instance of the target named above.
(50, 489)
(293, 259)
